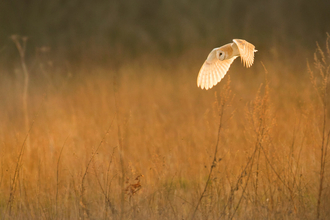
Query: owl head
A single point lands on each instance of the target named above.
(221, 55)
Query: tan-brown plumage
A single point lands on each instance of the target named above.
(219, 60)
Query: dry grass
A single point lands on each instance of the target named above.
(139, 142)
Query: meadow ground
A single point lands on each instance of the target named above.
(139, 141)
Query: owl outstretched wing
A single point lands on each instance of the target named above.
(246, 51)
(212, 72)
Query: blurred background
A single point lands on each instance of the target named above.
(113, 82)
(104, 31)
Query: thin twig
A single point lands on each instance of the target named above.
(105, 193)
(21, 47)
(120, 146)
(17, 171)
(57, 176)
(214, 161)
(82, 189)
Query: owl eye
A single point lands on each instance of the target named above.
(220, 56)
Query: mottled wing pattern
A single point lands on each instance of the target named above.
(246, 51)
(212, 72)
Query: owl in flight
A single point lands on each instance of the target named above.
(219, 60)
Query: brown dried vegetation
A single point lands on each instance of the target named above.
(143, 142)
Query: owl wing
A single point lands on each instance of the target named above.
(212, 72)
(246, 51)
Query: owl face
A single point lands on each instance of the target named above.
(221, 55)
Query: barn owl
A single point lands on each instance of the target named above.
(219, 60)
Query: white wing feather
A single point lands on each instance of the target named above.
(246, 51)
(212, 72)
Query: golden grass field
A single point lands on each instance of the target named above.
(139, 141)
